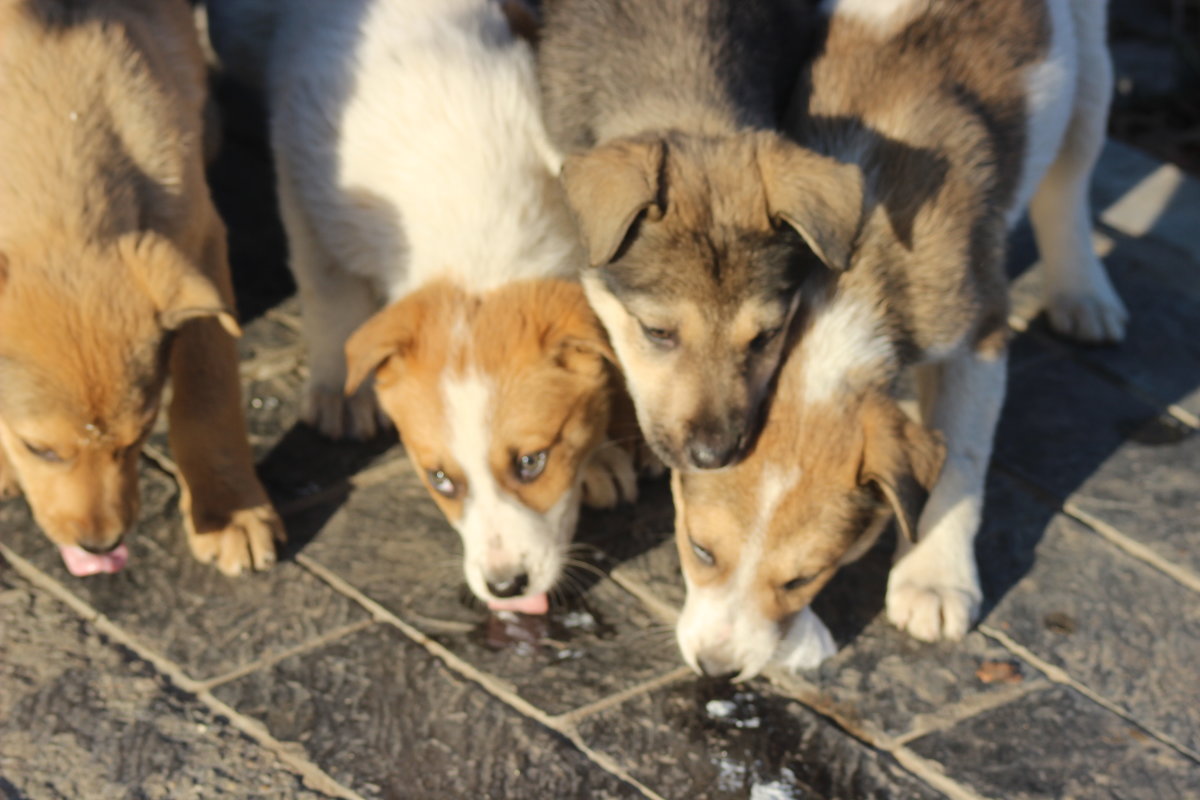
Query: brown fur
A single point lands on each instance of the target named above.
(116, 275)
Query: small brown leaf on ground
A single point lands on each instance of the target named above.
(999, 672)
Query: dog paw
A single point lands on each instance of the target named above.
(930, 612)
(246, 543)
(1094, 317)
(340, 417)
(609, 477)
(807, 644)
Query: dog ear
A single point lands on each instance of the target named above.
(574, 337)
(608, 187)
(390, 332)
(820, 198)
(901, 458)
(179, 291)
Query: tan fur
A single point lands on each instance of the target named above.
(540, 344)
(116, 275)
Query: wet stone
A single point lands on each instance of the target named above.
(1058, 744)
(80, 718)
(705, 740)
(1115, 624)
(388, 719)
(391, 542)
(188, 611)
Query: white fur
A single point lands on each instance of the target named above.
(501, 536)
(843, 339)
(409, 147)
(883, 15)
(722, 623)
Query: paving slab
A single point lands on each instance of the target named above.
(82, 718)
(384, 717)
(391, 542)
(208, 623)
(1141, 196)
(1034, 748)
(703, 740)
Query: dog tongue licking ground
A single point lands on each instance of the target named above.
(533, 604)
(81, 563)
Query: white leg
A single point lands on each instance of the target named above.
(1079, 298)
(333, 304)
(807, 644)
(933, 590)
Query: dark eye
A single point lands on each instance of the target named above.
(441, 483)
(797, 583)
(529, 466)
(663, 337)
(44, 453)
(705, 557)
(764, 338)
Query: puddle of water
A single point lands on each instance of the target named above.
(559, 635)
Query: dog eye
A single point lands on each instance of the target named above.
(441, 483)
(44, 453)
(764, 338)
(797, 583)
(529, 466)
(704, 556)
(663, 337)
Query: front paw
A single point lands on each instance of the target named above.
(246, 542)
(337, 416)
(807, 644)
(1094, 316)
(609, 477)
(932, 611)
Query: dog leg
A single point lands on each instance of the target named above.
(807, 644)
(333, 304)
(609, 477)
(226, 512)
(1079, 299)
(933, 590)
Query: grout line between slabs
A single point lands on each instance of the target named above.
(965, 711)
(497, 687)
(314, 643)
(932, 773)
(312, 775)
(1061, 676)
(573, 716)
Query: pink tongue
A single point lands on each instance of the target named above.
(81, 563)
(532, 604)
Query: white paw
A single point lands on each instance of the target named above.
(328, 410)
(609, 477)
(1094, 317)
(807, 644)
(932, 611)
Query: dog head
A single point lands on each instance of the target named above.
(836, 458)
(84, 346)
(700, 249)
(500, 399)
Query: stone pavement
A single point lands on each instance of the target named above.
(361, 668)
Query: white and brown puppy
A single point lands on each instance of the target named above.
(681, 186)
(113, 275)
(422, 205)
(958, 113)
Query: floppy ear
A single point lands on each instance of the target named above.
(391, 332)
(820, 198)
(179, 291)
(902, 459)
(575, 339)
(608, 187)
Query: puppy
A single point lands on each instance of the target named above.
(957, 113)
(681, 183)
(113, 274)
(508, 403)
(415, 173)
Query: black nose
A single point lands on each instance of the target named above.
(101, 549)
(510, 587)
(715, 668)
(712, 450)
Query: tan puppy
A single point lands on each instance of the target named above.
(509, 406)
(958, 114)
(113, 273)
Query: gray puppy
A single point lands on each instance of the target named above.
(700, 220)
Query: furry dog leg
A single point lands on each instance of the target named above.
(933, 590)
